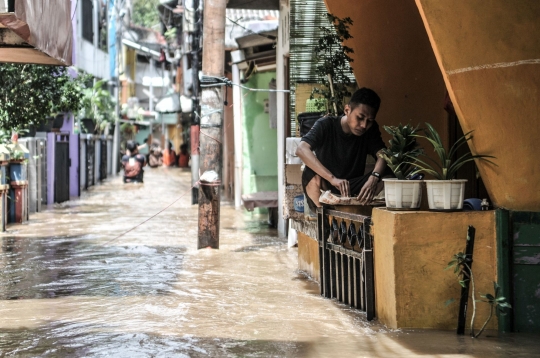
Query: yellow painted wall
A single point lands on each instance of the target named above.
(393, 56)
(308, 256)
(128, 68)
(174, 132)
(489, 54)
(411, 251)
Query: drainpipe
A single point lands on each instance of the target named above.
(151, 105)
(185, 68)
(116, 134)
(238, 151)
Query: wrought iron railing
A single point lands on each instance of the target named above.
(346, 259)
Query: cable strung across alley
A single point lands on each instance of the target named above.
(213, 81)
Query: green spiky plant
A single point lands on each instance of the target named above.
(446, 167)
(402, 151)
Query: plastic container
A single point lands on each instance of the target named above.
(445, 195)
(402, 194)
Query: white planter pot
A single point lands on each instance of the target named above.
(445, 194)
(402, 194)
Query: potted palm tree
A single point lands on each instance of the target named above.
(445, 193)
(402, 192)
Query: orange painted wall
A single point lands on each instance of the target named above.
(489, 54)
(393, 56)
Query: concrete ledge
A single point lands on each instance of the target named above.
(309, 228)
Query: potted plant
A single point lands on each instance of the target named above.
(88, 125)
(402, 193)
(58, 122)
(98, 108)
(445, 193)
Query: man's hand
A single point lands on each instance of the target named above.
(368, 190)
(342, 185)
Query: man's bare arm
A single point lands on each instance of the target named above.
(368, 191)
(304, 152)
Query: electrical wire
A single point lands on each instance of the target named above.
(153, 216)
(224, 81)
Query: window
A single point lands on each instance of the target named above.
(87, 20)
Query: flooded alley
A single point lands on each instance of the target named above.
(72, 286)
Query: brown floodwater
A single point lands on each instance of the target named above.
(71, 287)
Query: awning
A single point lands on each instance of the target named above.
(25, 37)
(169, 104)
(258, 39)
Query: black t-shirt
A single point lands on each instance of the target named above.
(344, 155)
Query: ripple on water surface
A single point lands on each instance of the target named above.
(70, 266)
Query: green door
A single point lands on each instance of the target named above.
(526, 270)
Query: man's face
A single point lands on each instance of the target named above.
(360, 119)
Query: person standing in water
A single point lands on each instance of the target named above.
(133, 164)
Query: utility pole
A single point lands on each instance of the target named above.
(195, 44)
(211, 133)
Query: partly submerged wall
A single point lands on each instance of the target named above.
(411, 252)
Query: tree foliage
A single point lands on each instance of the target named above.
(31, 93)
(333, 69)
(145, 13)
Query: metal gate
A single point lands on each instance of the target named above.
(346, 259)
(90, 160)
(61, 169)
(103, 161)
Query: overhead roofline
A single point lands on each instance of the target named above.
(253, 4)
(140, 48)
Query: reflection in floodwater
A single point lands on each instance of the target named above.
(71, 287)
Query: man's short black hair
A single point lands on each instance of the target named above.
(131, 145)
(365, 96)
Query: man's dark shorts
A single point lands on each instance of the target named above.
(355, 184)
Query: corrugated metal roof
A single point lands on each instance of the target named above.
(242, 22)
(251, 15)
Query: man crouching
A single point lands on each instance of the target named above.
(341, 146)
